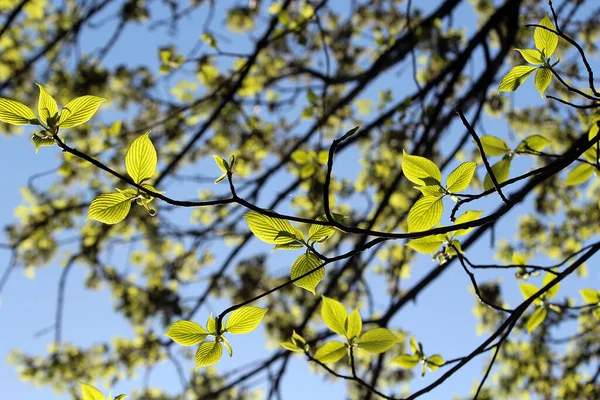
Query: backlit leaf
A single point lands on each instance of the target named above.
(579, 175)
(353, 325)
(417, 168)
(320, 233)
(334, 315)
(552, 291)
(428, 244)
(545, 41)
(434, 362)
(543, 77)
(590, 296)
(79, 111)
(47, 107)
(407, 361)
(15, 113)
(528, 290)
(459, 179)
(501, 170)
(493, 146)
(141, 159)
(245, 319)
(221, 163)
(515, 78)
(110, 208)
(90, 393)
(532, 56)
(377, 340)
(305, 263)
(268, 228)
(538, 316)
(425, 213)
(468, 216)
(331, 352)
(186, 333)
(533, 143)
(208, 354)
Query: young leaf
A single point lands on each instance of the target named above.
(528, 290)
(331, 352)
(579, 174)
(414, 346)
(211, 325)
(15, 113)
(552, 291)
(47, 107)
(533, 143)
(425, 213)
(501, 170)
(268, 229)
(221, 177)
(417, 169)
(221, 163)
(109, 208)
(186, 333)
(532, 56)
(427, 244)
(41, 142)
(434, 362)
(320, 233)
(543, 77)
(141, 159)
(305, 263)
(407, 361)
(334, 315)
(120, 397)
(431, 190)
(468, 216)
(90, 393)
(515, 78)
(459, 179)
(590, 296)
(208, 354)
(245, 319)
(493, 146)
(377, 340)
(227, 346)
(536, 318)
(353, 325)
(79, 111)
(545, 41)
(291, 347)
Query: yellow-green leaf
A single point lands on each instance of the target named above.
(90, 393)
(590, 296)
(468, 216)
(536, 318)
(305, 263)
(377, 340)
(427, 244)
(47, 107)
(493, 146)
(434, 362)
(268, 228)
(208, 354)
(535, 143)
(425, 213)
(79, 111)
(515, 78)
(331, 352)
(245, 319)
(518, 259)
(227, 346)
(110, 208)
(417, 169)
(552, 291)
(211, 325)
(459, 179)
(414, 346)
(41, 142)
(15, 113)
(545, 41)
(532, 56)
(334, 315)
(320, 233)
(120, 397)
(543, 77)
(528, 290)
(291, 347)
(141, 159)
(501, 170)
(186, 333)
(353, 325)
(221, 163)
(579, 174)
(407, 361)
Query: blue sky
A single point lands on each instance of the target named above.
(441, 317)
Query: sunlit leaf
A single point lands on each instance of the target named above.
(425, 213)
(538, 316)
(320, 233)
(245, 319)
(79, 111)
(141, 159)
(291, 347)
(467, 216)
(543, 77)
(47, 107)
(515, 78)
(208, 354)
(590, 296)
(407, 361)
(268, 228)
(427, 244)
(305, 263)
(353, 325)
(334, 315)
(15, 113)
(545, 41)
(377, 340)
(533, 143)
(501, 171)
(110, 208)
(41, 142)
(579, 175)
(528, 290)
(459, 179)
(331, 352)
(90, 393)
(221, 163)
(434, 362)
(493, 146)
(417, 169)
(532, 56)
(552, 291)
(186, 333)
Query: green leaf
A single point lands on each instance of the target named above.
(434, 362)
(208, 354)
(536, 318)
(468, 216)
(47, 107)
(350, 133)
(414, 346)
(501, 170)
(186, 333)
(141, 159)
(579, 174)
(331, 352)
(109, 208)
(533, 143)
(532, 56)
(547, 279)
(417, 168)
(291, 347)
(120, 397)
(245, 319)
(334, 315)
(79, 111)
(353, 324)
(543, 77)
(453, 248)
(459, 179)
(41, 142)
(268, 228)
(590, 296)
(431, 190)
(515, 78)
(427, 244)
(90, 393)
(221, 163)
(15, 113)
(425, 213)
(545, 41)
(377, 340)
(528, 290)
(407, 361)
(493, 146)
(518, 259)
(221, 178)
(211, 325)
(227, 346)
(305, 263)
(320, 233)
